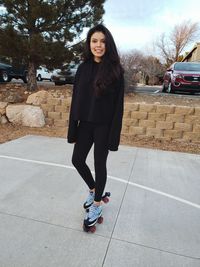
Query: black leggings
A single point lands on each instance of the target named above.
(89, 133)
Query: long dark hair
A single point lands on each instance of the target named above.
(110, 68)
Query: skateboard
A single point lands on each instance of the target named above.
(92, 229)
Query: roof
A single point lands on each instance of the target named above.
(190, 52)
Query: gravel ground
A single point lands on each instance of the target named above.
(10, 132)
(165, 99)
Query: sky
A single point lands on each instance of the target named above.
(136, 24)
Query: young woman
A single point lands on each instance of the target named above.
(96, 114)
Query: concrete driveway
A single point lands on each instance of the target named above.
(152, 219)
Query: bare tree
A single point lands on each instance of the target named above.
(131, 63)
(166, 51)
(172, 46)
(140, 68)
(152, 70)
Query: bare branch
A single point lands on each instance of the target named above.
(172, 46)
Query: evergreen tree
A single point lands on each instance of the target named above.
(42, 32)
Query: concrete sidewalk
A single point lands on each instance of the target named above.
(152, 219)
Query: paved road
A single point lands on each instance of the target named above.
(152, 220)
(158, 90)
(148, 89)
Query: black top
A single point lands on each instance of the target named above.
(85, 106)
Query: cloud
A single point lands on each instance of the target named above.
(172, 16)
(132, 11)
(136, 24)
(130, 37)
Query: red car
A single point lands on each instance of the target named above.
(183, 77)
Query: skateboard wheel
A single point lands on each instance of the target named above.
(106, 200)
(100, 220)
(85, 229)
(93, 229)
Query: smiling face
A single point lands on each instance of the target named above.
(97, 45)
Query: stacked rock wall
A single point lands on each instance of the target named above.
(164, 122)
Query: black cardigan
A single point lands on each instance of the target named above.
(85, 106)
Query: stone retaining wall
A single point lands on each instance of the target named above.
(56, 110)
(163, 122)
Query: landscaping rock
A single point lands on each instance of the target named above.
(38, 98)
(3, 119)
(14, 113)
(3, 106)
(25, 115)
(33, 116)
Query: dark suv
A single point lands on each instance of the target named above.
(8, 72)
(182, 76)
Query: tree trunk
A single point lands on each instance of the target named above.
(32, 83)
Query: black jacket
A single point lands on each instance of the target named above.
(85, 106)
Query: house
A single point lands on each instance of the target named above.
(193, 54)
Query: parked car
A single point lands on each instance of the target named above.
(8, 72)
(43, 74)
(182, 76)
(65, 75)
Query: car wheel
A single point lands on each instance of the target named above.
(5, 77)
(39, 78)
(170, 88)
(163, 88)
